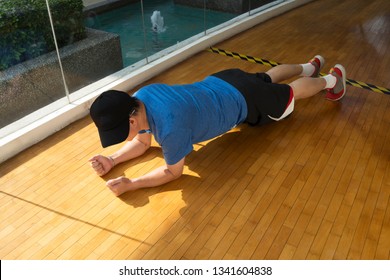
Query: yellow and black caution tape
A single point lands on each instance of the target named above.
(273, 63)
(244, 57)
(368, 86)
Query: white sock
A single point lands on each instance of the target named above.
(307, 69)
(330, 81)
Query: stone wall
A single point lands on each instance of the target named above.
(31, 85)
(231, 6)
(99, 6)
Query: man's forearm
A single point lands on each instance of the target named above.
(130, 150)
(157, 177)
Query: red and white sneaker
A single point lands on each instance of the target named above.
(340, 88)
(318, 62)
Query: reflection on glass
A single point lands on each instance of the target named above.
(30, 77)
(261, 5)
(166, 24)
(226, 9)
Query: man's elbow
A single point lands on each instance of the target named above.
(176, 170)
(175, 173)
(143, 145)
(145, 148)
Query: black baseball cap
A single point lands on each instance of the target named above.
(110, 112)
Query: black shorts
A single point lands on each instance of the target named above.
(265, 100)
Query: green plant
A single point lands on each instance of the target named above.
(25, 30)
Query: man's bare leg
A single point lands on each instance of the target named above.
(284, 72)
(303, 87)
(287, 71)
(309, 84)
(306, 87)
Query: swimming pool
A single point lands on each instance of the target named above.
(180, 23)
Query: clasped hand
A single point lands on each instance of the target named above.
(101, 164)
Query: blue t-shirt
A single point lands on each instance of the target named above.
(182, 115)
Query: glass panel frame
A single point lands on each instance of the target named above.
(28, 85)
(150, 39)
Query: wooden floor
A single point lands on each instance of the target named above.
(314, 186)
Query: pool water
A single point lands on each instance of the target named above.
(180, 23)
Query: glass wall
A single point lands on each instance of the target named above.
(30, 71)
(52, 49)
